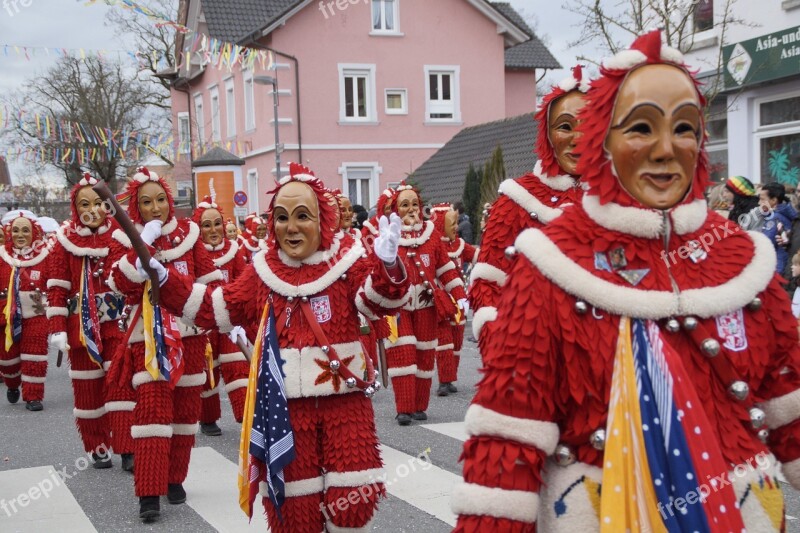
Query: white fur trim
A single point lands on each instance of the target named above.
(481, 317)
(33, 357)
(556, 482)
(791, 471)
(782, 410)
(671, 54)
(293, 489)
(426, 345)
(10, 362)
(32, 379)
(418, 241)
(228, 256)
(520, 196)
(129, 270)
(24, 262)
(457, 252)
(234, 385)
(120, 406)
(372, 229)
(353, 479)
(445, 347)
(320, 256)
(183, 247)
(79, 251)
(647, 223)
(488, 272)
(570, 84)
(11, 376)
(210, 393)
(302, 369)
(89, 414)
(688, 218)
(453, 283)
(192, 306)
(384, 303)
(425, 374)
(415, 227)
(650, 304)
(119, 236)
(56, 311)
(564, 182)
(87, 374)
(333, 528)
(446, 268)
(470, 499)
(192, 380)
(52, 282)
(151, 430)
(364, 309)
(214, 275)
(401, 341)
(185, 429)
(221, 315)
(84, 231)
(481, 421)
(140, 378)
(314, 287)
(410, 370)
(624, 60)
(233, 357)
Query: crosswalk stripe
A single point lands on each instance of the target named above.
(456, 430)
(36, 499)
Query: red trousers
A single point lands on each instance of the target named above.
(10, 367)
(88, 384)
(33, 357)
(231, 363)
(448, 352)
(120, 401)
(335, 480)
(165, 419)
(411, 359)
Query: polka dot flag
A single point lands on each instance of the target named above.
(661, 456)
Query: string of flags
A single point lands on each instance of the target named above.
(160, 19)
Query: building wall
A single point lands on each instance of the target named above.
(520, 92)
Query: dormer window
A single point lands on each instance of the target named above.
(385, 16)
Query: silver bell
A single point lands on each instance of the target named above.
(417, 263)
(564, 455)
(581, 308)
(690, 323)
(755, 304)
(673, 325)
(325, 349)
(710, 347)
(598, 439)
(377, 385)
(305, 298)
(351, 383)
(534, 214)
(377, 374)
(95, 274)
(757, 417)
(334, 366)
(290, 299)
(739, 390)
(344, 276)
(763, 435)
(369, 392)
(429, 291)
(510, 252)
(426, 283)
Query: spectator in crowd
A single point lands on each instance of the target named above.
(795, 271)
(794, 242)
(360, 213)
(720, 199)
(745, 203)
(464, 224)
(778, 215)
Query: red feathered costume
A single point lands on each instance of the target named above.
(532, 201)
(551, 354)
(250, 244)
(228, 360)
(81, 254)
(334, 430)
(26, 360)
(435, 286)
(371, 226)
(451, 330)
(165, 418)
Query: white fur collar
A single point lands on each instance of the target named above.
(418, 241)
(261, 245)
(458, 251)
(228, 256)
(210, 248)
(650, 304)
(166, 229)
(83, 231)
(372, 229)
(563, 182)
(121, 238)
(647, 223)
(166, 256)
(306, 289)
(528, 202)
(80, 251)
(415, 227)
(19, 263)
(320, 256)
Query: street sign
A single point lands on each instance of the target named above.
(240, 211)
(240, 198)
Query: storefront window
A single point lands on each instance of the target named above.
(779, 111)
(703, 15)
(718, 165)
(780, 159)
(717, 146)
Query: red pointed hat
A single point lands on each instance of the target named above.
(594, 163)
(544, 148)
(142, 176)
(385, 196)
(207, 203)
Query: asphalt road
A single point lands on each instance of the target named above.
(103, 500)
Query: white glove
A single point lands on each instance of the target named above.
(59, 341)
(463, 303)
(151, 231)
(237, 333)
(388, 240)
(155, 265)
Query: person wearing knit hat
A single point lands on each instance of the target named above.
(643, 345)
(741, 186)
(744, 210)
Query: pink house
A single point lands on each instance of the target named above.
(368, 90)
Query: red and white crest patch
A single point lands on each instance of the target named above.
(35, 275)
(321, 306)
(225, 275)
(426, 259)
(182, 267)
(731, 328)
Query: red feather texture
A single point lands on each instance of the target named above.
(198, 213)
(437, 216)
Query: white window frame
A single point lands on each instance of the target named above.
(396, 18)
(358, 69)
(249, 101)
(252, 190)
(199, 118)
(455, 93)
(216, 113)
(374, 181)
(184, 137)
(230, 107)
(403, 93)
(772, 130)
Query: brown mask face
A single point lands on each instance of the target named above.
(21, 233)
(90, 208)
(231, 232)
(296, 216)
(2, 236)
(153, 202)
(408, 207)
(451, 225)
(211, 227)
(654, 140)
(562, 130)
(346, 211)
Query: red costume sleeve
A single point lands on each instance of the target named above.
(469, 255)
(512, 421)
(59, 288)
(449, 275)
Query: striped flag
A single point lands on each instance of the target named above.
(13, 310)
(90, 323)
(162, 340)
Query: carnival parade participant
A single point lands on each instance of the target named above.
(436, 290)
(255, 231)
(642, 341)
(346, 218)
(227, 359)
(535, 199)
(83, 312)
(306, 291)
(384, 208)
(231, 230)
(24, 280)
(451, 329)
(167, 385)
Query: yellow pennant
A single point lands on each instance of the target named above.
(210, 361)
(8, 311)
(393, 334)
(150, 359)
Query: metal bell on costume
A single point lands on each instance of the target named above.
(326, 349)
(369, 392)
(564, 455)
(763, 435)
(351, 383)
(598, 439)
(710, 347)
(755, 304)
(739, 390)
(334, 366)
(581, 308)
(377, 385)
(757, 417)
(510, 252)
(534, 215)
(690, 323)
(673, 325)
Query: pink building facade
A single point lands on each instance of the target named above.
(368, 90)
